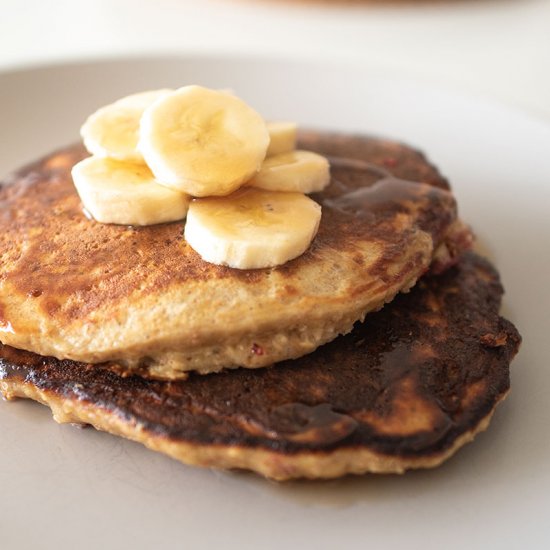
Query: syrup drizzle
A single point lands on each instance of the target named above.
(373, 200)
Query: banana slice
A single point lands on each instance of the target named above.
(202, 142)
(252, 228)
(113, 130)
(113, 191)
(283, 137)
(301, 171)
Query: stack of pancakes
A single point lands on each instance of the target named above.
(274, 370)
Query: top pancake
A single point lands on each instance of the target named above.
(140, 296)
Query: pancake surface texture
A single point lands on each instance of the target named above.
(404, 390)
(76, 289)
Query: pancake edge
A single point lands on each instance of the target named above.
(268, 463)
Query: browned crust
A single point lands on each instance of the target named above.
(404, 390)
(271, 464)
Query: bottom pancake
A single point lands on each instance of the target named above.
(404, 390)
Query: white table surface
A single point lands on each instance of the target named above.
(496, 48)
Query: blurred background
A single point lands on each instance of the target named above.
(499, 49)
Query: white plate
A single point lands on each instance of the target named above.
(61, 484)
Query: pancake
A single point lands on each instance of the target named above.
(404, 390)
(76, 289)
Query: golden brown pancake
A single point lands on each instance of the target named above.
(76, 289)
(404, 390)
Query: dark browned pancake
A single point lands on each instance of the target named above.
(404, 390)
(77, 289)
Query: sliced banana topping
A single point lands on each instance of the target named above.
(282, 137)
(202, 142)
(301, 171)
(113, 130)
(119, 192)
(252, 228)
(153, 151)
